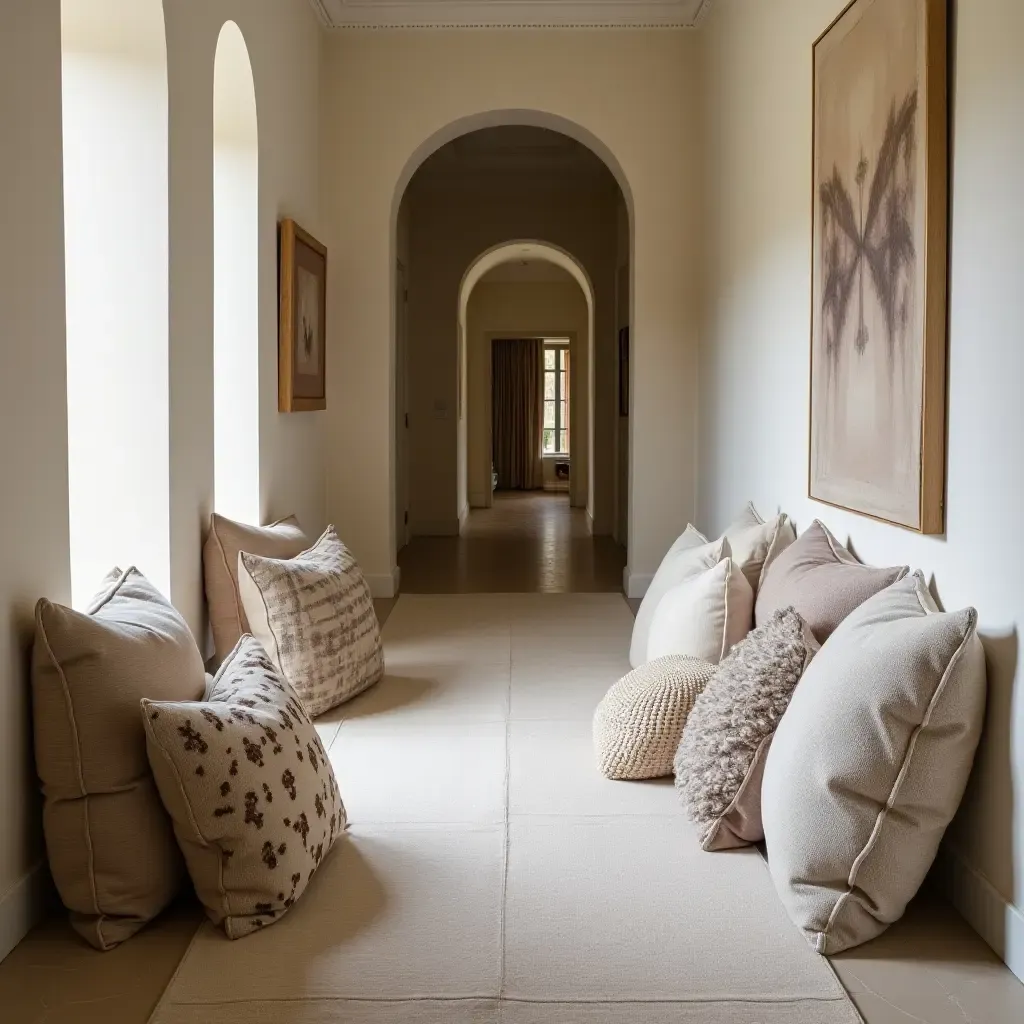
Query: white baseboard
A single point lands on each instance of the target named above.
(385, 585)
(635, 584)
(22, 907)
(998, 922)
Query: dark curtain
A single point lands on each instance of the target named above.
(517, 373)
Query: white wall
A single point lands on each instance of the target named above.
(754, 364)
(516, 310)
(628, 94)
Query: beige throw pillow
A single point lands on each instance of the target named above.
(226, 539)
(251, 790)
(639, 721)
(704, 616)
(870, 761)
(314, 616)
(689, 556)
(109, 842)
(754, 543)
(721, 758)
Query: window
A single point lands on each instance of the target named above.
(556, 398)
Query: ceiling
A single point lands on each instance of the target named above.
(342, 14)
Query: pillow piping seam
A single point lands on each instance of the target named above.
(236, 596)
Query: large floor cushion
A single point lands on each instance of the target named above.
(870, 761)
(110, 845)
(251, 790)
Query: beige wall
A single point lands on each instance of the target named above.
(754, 364)
(284, 44)
(515, 310)
(628, 94)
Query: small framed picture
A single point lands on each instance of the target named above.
(302, 350)
(623, 371)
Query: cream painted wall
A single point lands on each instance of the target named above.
(754, 365)
(631, 95)
(515, 310)
(284, 44)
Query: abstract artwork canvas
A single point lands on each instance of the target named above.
(302, 381)
(879, 264)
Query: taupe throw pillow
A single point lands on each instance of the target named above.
(111, 850)
(822, 580)
(226, 539)
(314, 616)
(721, 757)
(754, 543)
(870, 762)
(251, 790)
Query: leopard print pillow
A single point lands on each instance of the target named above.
(249, 787)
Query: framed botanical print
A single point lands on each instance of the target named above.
(302, 352)
(879, 262)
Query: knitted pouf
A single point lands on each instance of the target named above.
(638, 724)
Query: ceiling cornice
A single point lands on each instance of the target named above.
(510, 14)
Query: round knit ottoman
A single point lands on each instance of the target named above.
(638, 724)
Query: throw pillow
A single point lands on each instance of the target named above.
(639, 721)
(721, 758)
(226, 539)
(870, 762)
(822, 580)
(689, 556)
(314, 615)
(754, 544)
(704, 616)
(250, 788)
(111, 850)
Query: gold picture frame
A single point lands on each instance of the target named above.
(302, 333)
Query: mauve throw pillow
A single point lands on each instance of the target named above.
(822, 580)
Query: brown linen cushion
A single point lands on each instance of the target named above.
(250, 788)
(721, 757)
(226, 539)
(314, 616)
(822, 580)
(109, 841)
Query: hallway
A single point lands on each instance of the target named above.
(528, 542)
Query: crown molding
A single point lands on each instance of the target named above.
(510, 14)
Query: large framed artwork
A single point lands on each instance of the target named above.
(879, 263)
(302, 362)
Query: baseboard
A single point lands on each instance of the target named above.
(385, 585)
(635, 584)
(558, 488)
(23, 907)
(997, 921)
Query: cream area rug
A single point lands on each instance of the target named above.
(490, 875)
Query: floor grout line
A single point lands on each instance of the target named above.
(504, 866)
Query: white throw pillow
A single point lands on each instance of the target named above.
(754, 544)
(689, 556)
(704, 616)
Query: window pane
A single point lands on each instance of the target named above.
(549, 414)
(549, 386)
(562, 352)
(549, 440)
(563, 441)
(549, 359)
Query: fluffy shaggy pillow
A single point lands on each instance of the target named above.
(704, 616)
(870, 762)
(639, 721)
(689, 556)
(721, 758)
(314, 616)
(254, 800)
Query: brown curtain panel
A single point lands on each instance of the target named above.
(517, 412)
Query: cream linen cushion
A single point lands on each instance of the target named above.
(251, 790)
(704, 616)
(226, 539)
(639, 721)
(754, 543)
(314, 616)
(870, 762)
(690, 555)
(109, 842)
(721, 758)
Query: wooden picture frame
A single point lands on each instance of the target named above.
(302, 333)
(623, 371)
(877, 437)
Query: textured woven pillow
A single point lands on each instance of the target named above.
(822, 580)
(721, 758)
(870, 762)
(109, 841)
(689, 556)
(252, 793)
(704, 616)
(226, 539)
(314, 615)
(639, 721)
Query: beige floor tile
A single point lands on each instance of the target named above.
(560, 688)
